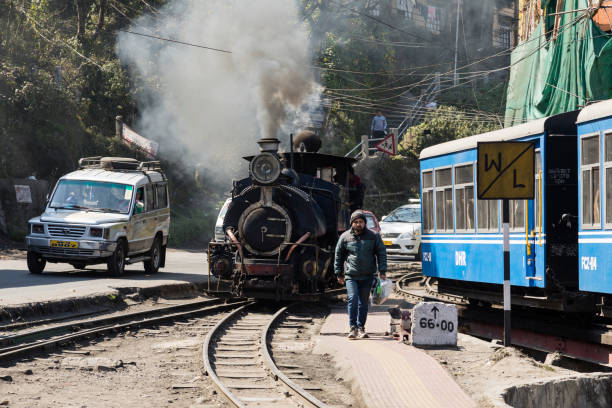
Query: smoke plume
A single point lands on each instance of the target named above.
(218, 104)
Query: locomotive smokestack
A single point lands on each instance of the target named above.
(268, 144)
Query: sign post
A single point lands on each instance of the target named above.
(388, 145)
(506, 171)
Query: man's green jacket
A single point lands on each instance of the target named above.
(361, 253)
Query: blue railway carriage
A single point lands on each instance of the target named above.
(462, 237)
(595, 197)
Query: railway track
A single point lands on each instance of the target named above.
(570, 336)
(425, 290)
(46, 339)
(237, 357)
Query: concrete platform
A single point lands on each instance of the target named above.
(388, 373)
(61, 283)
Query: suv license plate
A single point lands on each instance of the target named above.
(64, 244)
(387, 242)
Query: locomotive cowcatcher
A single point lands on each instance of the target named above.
(283, 222)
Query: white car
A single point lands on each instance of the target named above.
(219, 233)
(401, 231)
(111, 210)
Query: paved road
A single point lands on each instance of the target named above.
(61, 281)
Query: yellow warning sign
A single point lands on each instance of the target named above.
(505, 170)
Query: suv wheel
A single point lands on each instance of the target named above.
(116, 263)
(152, 265)
(36, 263)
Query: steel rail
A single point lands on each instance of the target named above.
(278, 374)
(431, 293)
(14, 351)
(592, 344)
(206, 357)
(48, 331)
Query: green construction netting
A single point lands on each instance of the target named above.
(549, 76)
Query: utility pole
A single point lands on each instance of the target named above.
(455, 79)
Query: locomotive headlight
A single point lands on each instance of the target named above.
(265, 168)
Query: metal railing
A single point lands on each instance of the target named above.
(365, 140)
(426, 97)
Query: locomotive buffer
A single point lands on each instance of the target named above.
(505, 171)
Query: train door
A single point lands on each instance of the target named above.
(560, 211)
(534, 250)
(525, 225)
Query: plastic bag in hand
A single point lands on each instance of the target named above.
(381, 291)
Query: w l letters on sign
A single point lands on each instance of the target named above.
(497, 165)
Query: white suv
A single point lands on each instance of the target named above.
(401, 231)
(111, 210)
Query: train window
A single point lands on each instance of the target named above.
(536, 200)
(517, 214)
(608, 176)
(428, 201)
(464, 196)
(427, 179)
(590, 150)
(590, 194)
(443, 177)
(444, 200)
(488, 215)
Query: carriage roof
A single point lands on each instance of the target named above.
(563, 123)
(595, 111)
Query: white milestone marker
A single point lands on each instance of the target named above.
(434, 324)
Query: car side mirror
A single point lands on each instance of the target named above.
(384, 217)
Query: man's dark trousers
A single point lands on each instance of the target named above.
(358, 291)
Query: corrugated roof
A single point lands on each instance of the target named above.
(595, 111)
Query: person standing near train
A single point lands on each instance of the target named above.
(361, 249)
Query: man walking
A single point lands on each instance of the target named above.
(378, 128)
(361, 249)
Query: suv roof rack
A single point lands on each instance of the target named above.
(93, 161)
(150, 165)
(119, 164)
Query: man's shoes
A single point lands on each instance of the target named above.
(353, 333)
(362, 333)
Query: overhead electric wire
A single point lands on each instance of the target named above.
(566, 26)
(486, 72)
(157, 37)
(177, 41)
(396, 44)
(419, 115)
(37, 26)
(424, 111)
(474, 77)
(380, 21)
(397, 107)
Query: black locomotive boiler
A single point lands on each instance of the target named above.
(283, 222)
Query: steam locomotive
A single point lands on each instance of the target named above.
(283, 222)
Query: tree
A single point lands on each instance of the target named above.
(441, 125)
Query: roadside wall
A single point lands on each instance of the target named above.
(19, 204)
